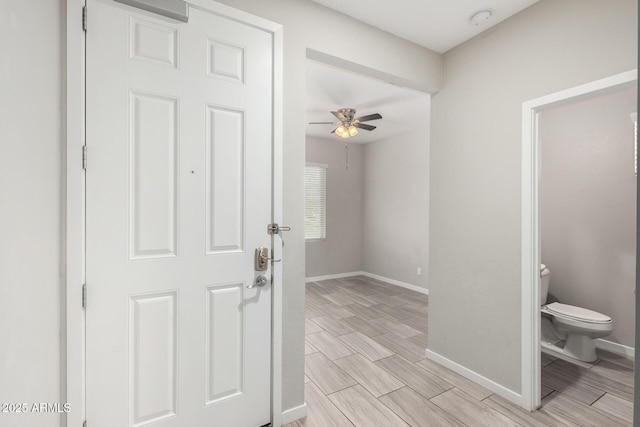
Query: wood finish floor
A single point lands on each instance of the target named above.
(365, 366)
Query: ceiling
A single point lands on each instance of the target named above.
(329, 89)
(435, 24)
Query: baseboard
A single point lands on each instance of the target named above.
(290, 415)
(334, 276)
(475, 377)
(396, 282)
(371, 275)
(614, 347)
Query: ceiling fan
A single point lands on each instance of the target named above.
(348, 124)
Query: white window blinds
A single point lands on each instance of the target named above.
(315, 212)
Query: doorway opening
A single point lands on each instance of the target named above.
(538, 121)
(376, 188)
(366, 236)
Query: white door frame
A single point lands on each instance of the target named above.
(75, 204)
(531, 369)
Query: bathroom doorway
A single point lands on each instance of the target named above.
(558, 240)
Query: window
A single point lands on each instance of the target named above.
(315, 209)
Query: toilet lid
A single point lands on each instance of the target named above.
(578, 313)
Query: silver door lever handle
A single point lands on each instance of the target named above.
(276, 229)
(259, 282)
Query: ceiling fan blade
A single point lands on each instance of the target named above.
(322, 123)
(363, 126)
(339, 115)
(375, 116)
(334, 131)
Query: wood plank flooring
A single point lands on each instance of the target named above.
(365, 366)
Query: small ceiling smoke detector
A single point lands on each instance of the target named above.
(482, 17)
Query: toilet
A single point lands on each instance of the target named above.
(568, 329)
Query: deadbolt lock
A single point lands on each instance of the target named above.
(261, 258)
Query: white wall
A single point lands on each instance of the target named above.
(588, 206)
(341, 251)
(474, 259)
(396, 206)
(31, 264)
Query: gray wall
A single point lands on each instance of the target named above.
(341, 252)
(378, 210)
(474, 259)
(32, 276)
(31, 255)
(396, 206)
(588, 206)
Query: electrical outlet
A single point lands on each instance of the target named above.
(419, 272)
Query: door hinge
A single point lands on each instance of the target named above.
(84, 18)
(84, 297)
(84, 157)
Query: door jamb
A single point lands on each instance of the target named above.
(75, 213)
(74, 351)
(531, 257)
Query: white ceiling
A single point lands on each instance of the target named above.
(329, 89)
(436, 24)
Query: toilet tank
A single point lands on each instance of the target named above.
(545, 275)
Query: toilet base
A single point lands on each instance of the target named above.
(557, 354)
(581, 347)
(576, 346)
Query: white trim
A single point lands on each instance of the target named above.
(277, 215)
(290, 415)
(530, 258)
(397, 283)
(615, 348)
(371, 275)
(475, 377)
(74, 336)
(334, 276)
(530, 233)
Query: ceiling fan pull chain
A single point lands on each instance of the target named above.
(346, 147)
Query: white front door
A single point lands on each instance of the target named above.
(178, 196)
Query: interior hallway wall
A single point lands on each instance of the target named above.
(588, 206)
(341, 251)
(475, 216)
(31, 254)
(396, 206)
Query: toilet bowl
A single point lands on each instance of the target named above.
(568, 329)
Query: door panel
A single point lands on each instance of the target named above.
(153, 356)
(179, 128)
(153, 175)
(225, 180)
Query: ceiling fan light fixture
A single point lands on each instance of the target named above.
(340, 130)
(353, 131)
(344, 135)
